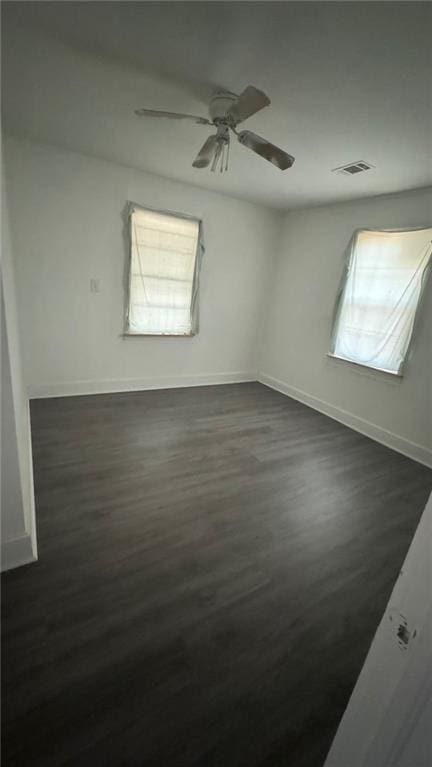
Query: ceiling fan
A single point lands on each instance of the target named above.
(226, 111)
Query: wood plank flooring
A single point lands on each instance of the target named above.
(213, 565)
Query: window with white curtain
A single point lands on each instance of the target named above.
(164, 273)
(376, 308)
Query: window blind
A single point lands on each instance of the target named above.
(163, 279)
(385, 274)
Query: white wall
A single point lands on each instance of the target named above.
(296, 335)
(18, 534)
(68, 227)
(384, 724)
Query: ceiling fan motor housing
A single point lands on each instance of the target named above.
(219, 105)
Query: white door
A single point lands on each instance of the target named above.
(388, 721)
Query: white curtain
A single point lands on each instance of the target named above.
(385, 274)
(163, 279)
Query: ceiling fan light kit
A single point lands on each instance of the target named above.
(226, 111)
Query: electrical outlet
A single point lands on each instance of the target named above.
(94, 286)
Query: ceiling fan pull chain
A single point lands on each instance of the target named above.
(227, 154)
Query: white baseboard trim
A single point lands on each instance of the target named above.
(17, 552)
(402, 445)
(30, 516)
(110, 386)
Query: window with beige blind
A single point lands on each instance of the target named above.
(165, 257)
(385, 274)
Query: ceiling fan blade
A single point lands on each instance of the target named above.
(206, 153)
(270, 152)
(248, 103)
(172, 116)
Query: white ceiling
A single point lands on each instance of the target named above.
(348, 81)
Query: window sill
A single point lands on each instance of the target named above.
(367, 370)
(131, 334)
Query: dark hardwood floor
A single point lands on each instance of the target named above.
(213, 565)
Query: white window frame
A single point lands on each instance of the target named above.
(194, 305)
(341, 293)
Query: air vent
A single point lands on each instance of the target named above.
(353, 168)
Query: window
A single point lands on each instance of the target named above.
(164, 270)
(379, 297)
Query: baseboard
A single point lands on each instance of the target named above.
(31, 513)
(17, 552)
(412, 450)
(107, 386)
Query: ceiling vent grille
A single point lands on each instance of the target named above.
(353, 167)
